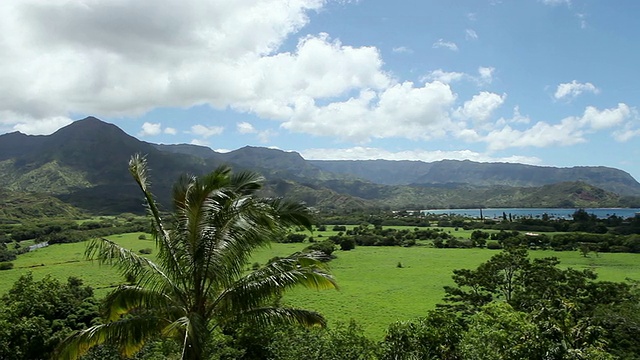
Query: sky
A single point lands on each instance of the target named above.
(542, 82)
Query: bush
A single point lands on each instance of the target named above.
(146, 251)
(6, 266)
(142, 237)
(326, 248)
(493, 245)
(347, 244)
(294, 238)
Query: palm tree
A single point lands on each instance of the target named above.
(200, 283)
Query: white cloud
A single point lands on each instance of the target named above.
(573, 89)
(402, 110)
(471, 34)
(484, 77)
(150, 129)
(598, 120)
(445, 44)
(153, 129)
(199, 142)
(402, 49)
(444, 76)
(556, 2)
(486, 74)
(266, 135)
(132, 55)
(206, 131)
(571, 130)
(371, 153)
(245, 128)
(44, 126)
(542, 134)
(480, 107)
(626, 134)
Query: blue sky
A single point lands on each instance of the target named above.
(545, 82)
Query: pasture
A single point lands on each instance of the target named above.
(374, 290)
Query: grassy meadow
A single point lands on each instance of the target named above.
(374, 290)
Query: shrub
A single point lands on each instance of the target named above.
(6, 266)
(142, 237)
(347, 244)
(146, 251)
(493, 245)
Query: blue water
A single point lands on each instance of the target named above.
(535, 213)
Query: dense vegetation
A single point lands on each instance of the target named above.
(509, 307)
(198, 286)
(194, 294)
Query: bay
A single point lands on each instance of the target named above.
(497, 213)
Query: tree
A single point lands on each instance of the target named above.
(500, 332)
(199, 285)
(36, 315)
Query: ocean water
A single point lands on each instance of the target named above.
(602, 213)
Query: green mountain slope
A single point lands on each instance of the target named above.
(85, 165)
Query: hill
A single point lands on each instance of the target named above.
(85, 164)
(481, 174)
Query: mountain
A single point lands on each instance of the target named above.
(481, 174)
(85, 164)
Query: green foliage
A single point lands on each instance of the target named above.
(322, 249)
(435, 336)
(36, 315)
(347, 244)
(294, 238)
(6, 265)
(6, 254)
(199, 284)
(498, 332)
(339, 342)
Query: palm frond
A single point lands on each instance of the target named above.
(129, 334)
(127, 262)
(139, 171)
(279, 315)
(289, 213)
(127, 298)
(254, 290)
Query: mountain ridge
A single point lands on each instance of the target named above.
(85, 164)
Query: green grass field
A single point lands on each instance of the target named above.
(373, 289)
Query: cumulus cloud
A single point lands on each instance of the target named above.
(445, 44)
(150, 129)
(127, 57)
(402, 49)
(444, 76)
(486, 74)
(133, 56)
(471, 34)
(602, 119)
(481, 106)
(403, 110)
(153, 129)
(569, 131)
(372, 153)
(43, 126)
(263, 136)
(245, 128)
(206, 131)
(574, 89)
